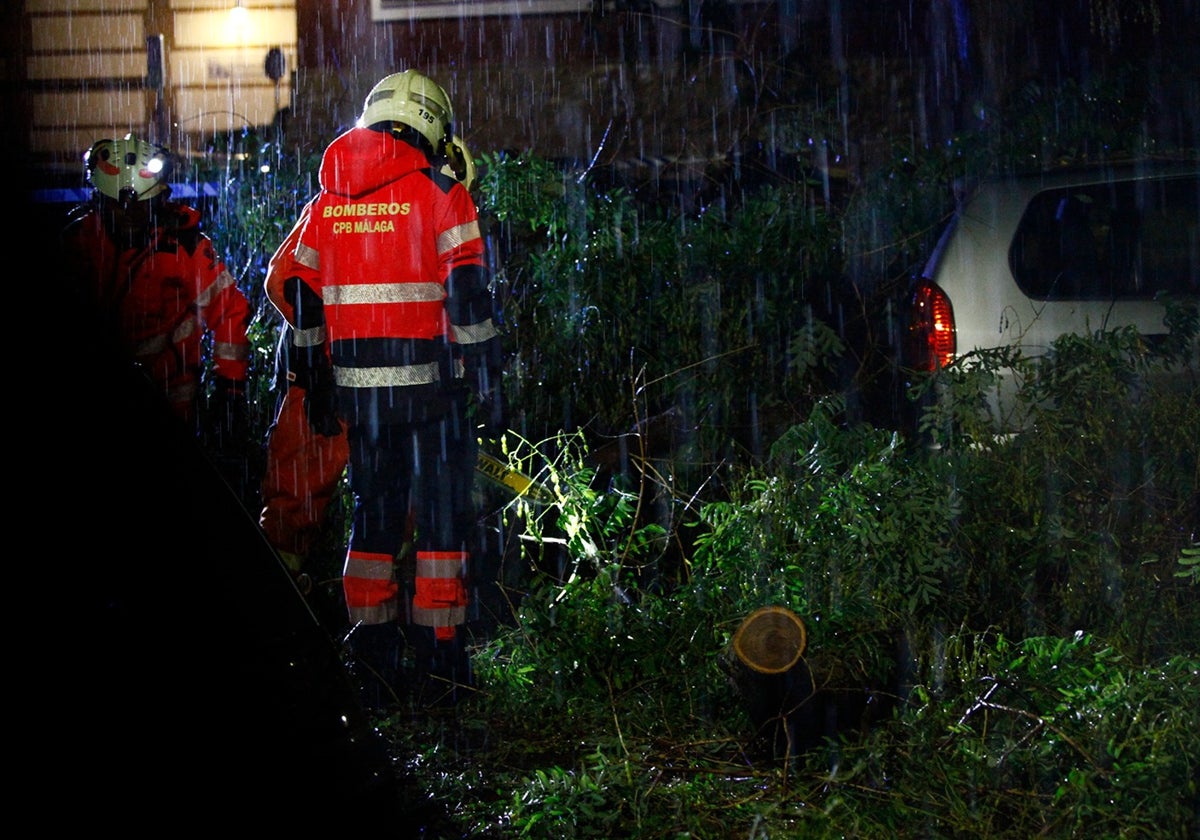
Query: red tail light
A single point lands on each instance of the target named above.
(931, 340)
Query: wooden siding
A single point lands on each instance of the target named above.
(86, 72)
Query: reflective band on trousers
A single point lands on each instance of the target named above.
(368, 566)
(370, 587)
(440, 599)
(379, 614)
(441, 564)
(385, 377)
(439, 617)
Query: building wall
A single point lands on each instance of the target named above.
(559, 77)
(622, 79)
(90, 70)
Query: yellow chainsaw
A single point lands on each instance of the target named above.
(514, 481)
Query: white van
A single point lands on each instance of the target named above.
(1027, 259)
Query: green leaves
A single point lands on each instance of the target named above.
(1189, 560)
(1066, 720)
(605, 706)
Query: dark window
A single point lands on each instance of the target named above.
(1122, 240)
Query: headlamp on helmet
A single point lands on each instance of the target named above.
(414, 100)
(128, 168)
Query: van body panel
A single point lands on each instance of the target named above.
(1030, 258)
(992, 310)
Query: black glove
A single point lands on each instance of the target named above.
(309, 366)
(320, 400)
(488, 409)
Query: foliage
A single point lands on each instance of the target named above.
(1028, 600)
(845, 527)
(1069, 520)
(591, 285)
(1052, 736)
(1051, 664)
(592, 627)
(1189, 559)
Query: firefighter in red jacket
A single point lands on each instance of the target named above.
(390, 297)
(156, 287)
(304, 465)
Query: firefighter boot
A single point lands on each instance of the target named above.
(443, 667)
(376, 651)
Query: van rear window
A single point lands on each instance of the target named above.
(1119, 240)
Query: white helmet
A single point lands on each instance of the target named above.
(413, 100)
(459, 163)
(128, 168)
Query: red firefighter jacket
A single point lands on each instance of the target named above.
(392, 247)
(161, 297)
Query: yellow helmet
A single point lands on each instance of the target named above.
(414, 100)
(128, 168)
(459, 163)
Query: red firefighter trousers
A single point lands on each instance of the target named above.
(303, 471)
